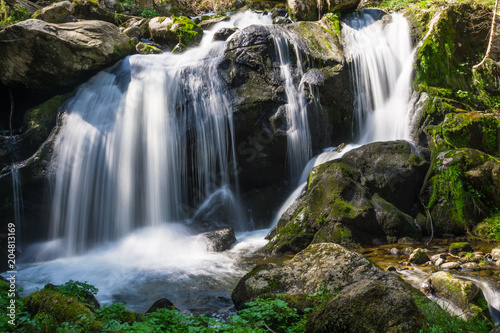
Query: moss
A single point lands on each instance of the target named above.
(61, 309)
(188, 32)
(334, 21)
(45, 113)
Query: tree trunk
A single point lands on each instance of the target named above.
(490, 42)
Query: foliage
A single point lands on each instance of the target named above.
(12, 14)
(438, 320)
(334, 20)
(490, 228)
(148, 13)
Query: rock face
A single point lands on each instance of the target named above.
(369, 191)
(55, 13)
(42, 56)
(330, 267)
(252, 71)
(308, 10)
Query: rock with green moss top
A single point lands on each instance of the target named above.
(308, 10)
(61, 308)
(55, 13)
(447, 54)
(92, 10)
(324, 267)
(463, 189)
(418, 257)
(173, 30)
(475, 130)
(368, 191)
(143, 48)
(43, 56)
(367, 306)
(462, 293)
(456, 248)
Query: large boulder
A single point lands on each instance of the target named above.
(329, 267)
(42, 56)
(308, 10)
(367, 306)
(371, 191)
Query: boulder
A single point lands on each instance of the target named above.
(367, 306)
(162, 303)
(385, 175)
(418, 257)
(447, 266)
(456, 248)
(43, 56)
(209, 23)
(462, 293)
(171, 31)
(220, 239)
(308, 10)
(495, 253)
(55, 13)
(224, 33)
(143, 48)
(324, 267)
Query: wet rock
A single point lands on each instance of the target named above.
(346, 190)
(450, 265)
(391, 269)
(323, 266)
(162, 303)
(221, 239)
(471, 266)
(208, 24)
(281, 20)
(55, 13)
(143, 48)
(495, 254)
(44, 56)
(435, 257)
(439, 262)
(92, 10)
(418, 257)
(426, 287)
(464, 294)
(224, 33)
(394, 251)
(366, 306)
(456, 248)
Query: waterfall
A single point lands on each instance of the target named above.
(144, 143)
(18, 202)
(381, 55)
(298, 135)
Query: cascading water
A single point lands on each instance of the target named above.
(381, 60)
(381, 55)
(18, 201)
(298, 135)
(144, 143)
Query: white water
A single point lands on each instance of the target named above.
(298, 135)
(381, 59)
(122, 160)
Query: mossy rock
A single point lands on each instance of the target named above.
(462, 293)
(419, 257)
(367, 306)
(456, 248)
(143, 48)
(174, 30)
(463, 189)
(61, 308)
(473, 130)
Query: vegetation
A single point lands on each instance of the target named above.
(12, 14)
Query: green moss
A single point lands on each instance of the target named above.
(187, 31)
(45, 113)
(334, 21)
(489, 228)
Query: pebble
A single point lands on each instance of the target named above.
(450, 265)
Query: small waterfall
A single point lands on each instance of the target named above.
(381, 54)
(145, 143)
(18, 203)
(298, 135)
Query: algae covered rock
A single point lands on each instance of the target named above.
(174, 30)
(367, 306)
(418, 257)
(308, 10)
(462, 293)
(43, 56)
(456, 248)
(370, 191)
(320, 267)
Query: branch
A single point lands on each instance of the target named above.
(492, 35)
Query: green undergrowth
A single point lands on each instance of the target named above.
(12, 14)
(489, 228)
